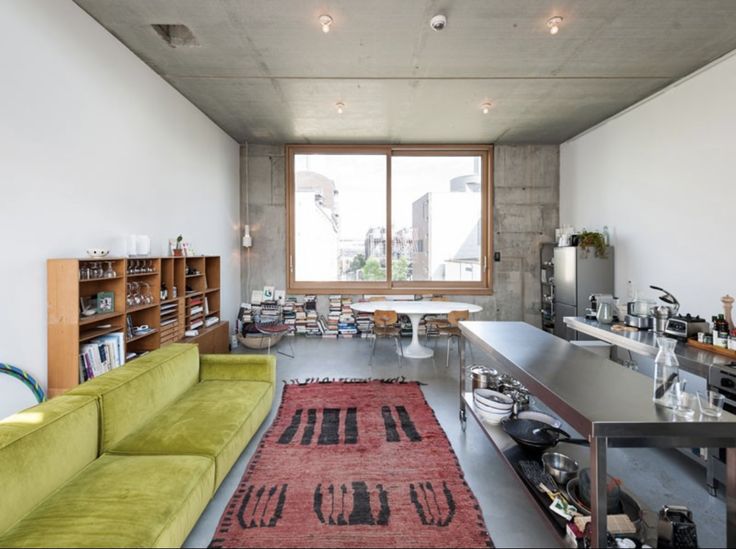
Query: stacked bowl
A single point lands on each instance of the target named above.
(492, 406)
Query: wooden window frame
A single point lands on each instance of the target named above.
(391, 287)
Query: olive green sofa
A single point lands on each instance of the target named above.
(132, 458)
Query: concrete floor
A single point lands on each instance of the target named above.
(656, 477)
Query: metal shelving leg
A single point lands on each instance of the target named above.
(598, 491)
(461, 383)
(731, 497)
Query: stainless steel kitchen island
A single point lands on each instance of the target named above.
(609, 405)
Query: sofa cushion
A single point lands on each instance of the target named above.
(214, 418)
(121, 501)
(41, 449)
(133, 394)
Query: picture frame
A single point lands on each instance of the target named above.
(268, 293)
(105, 302)
(280, 296)
(256, 296)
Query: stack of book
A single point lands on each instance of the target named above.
(289, 313)
(333, 315)
(312, 324)
(346, 325)
(300, 316)
(169, 322)
(101, 355)
(364, 323)
(270, 312)
(406, 328)
(327, 329)
(196, 312)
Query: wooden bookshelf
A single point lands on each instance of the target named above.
(168, 319)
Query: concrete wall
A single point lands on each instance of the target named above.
(526, 195)
(662, 176)
(93, 146)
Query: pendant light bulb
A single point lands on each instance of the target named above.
(340, 106)
(486, 107)
(553, 23)
(325, 21)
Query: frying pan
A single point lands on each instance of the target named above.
(537, 436)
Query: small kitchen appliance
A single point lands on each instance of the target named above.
(685, 326)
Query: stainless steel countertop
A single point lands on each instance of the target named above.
(691, 359)
(596, 396)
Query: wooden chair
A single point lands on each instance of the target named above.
(452, 330)
(386, 324)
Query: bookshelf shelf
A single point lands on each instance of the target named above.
(94, 319)
(141, 336)
(68, 332)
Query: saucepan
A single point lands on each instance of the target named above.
(537, 436)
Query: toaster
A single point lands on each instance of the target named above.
(684, 327)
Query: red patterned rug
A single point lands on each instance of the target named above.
(353, 464)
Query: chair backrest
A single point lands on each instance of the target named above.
(453, 317)
(439, 298)
(384, 318)
(376, 298)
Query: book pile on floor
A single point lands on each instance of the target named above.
(300, 316)
(270, 312)
(364, 323)
(310, 306)
(346, 325)
(326, 328)
(101, 355)
(406, 328)
(289, 313)
(333, 315)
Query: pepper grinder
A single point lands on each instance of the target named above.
(727, 301)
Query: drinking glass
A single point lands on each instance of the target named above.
(129, 294)
(711, 403)
(84, 271)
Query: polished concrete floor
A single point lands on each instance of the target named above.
(656, 477)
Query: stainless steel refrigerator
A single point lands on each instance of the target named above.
(578, 274)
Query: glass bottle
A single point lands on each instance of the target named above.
(666, 373)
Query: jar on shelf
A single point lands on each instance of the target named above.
(666, 373)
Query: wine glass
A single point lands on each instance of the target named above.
(109, 271)
(83, 271)
(129, 294)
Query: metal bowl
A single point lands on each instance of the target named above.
(560, 467)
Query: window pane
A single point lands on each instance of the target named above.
(436, 218)
(339, 217)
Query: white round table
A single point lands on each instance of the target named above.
(415, 310)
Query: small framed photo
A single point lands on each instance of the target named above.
(256, 297)
(280, 296)
(105, 302)
(268, 293)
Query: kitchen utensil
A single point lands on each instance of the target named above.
(668, 298)
(675, 528)
(560, 467)
(536, 475)
(537, 436)
(493, 399)
(661, 315)
(666, 373)
(639, 322)
(540, 416)
(613, 491)
(711, 403)
(483, 378)
(604, 315)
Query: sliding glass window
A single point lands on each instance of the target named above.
(380, 219)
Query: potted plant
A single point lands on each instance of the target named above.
(595, 240)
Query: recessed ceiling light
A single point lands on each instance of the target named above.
(325, 21)
(340, 106)
(553, 24)
(486, 107)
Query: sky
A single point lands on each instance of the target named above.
(361, 181)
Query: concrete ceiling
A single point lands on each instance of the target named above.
(265, 72)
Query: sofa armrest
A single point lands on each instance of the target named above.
(237, 367)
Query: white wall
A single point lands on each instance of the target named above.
(93, 146)
(663, 174)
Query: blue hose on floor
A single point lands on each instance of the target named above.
(26, 378)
